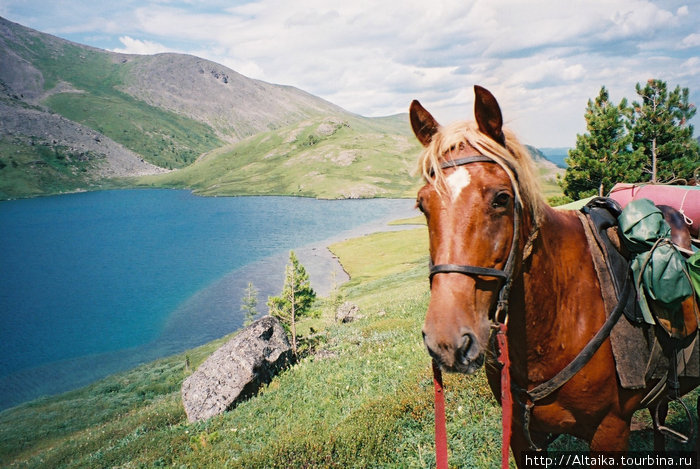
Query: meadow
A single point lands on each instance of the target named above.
(325, 157)
(360, 396)
(39, 169)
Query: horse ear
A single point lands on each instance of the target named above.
(488, 115)
(424, 125)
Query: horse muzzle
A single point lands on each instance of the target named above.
(459, 354)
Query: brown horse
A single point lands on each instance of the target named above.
(495, 242)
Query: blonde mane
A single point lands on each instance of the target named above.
(514, 159)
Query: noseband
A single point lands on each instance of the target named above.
(505, 274)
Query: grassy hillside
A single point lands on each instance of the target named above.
(166, 109)
(29, 170)
(363, 398)
(548, 172)
(93, 98)
(246, 136)
(324, 157)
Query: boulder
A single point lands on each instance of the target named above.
(347, 312)
(237, 370)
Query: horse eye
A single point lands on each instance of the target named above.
(501, 199)
(419, 205)
(423, 203)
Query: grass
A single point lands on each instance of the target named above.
(30, 169)
(365, 402)
(160, 137)
(322, 157)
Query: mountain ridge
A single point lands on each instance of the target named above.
(98, 117)
(247, 107)
(151, 112)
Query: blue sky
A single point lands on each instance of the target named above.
(543, 59)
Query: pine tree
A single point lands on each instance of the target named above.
(603, 155)
(296, 298)
(661, 130)
(249, 304)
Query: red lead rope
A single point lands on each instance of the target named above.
(440, 426)
(506, 398)
(506, 404)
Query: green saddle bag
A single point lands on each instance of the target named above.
(694, 271)
(641, 225)
(659, 269)
(661, 273)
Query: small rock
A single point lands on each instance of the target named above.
(325, 355)
(347, 312)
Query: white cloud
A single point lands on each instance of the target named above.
(691, 40)
(542, 58)
(640, 18)
(135, 46)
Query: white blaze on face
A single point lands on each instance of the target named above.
(458, 181)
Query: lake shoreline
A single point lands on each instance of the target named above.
(215, 307)
(129, 187)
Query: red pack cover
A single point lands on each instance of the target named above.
(685, 199)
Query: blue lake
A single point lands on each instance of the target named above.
(98, 282)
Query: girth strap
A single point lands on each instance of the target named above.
(584, 356)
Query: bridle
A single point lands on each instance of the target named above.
(499, 321)
(506, 274)
(499, 318)
(527, 397)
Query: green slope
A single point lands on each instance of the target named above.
(323, 157)
(29, 170)
(94, 99)
(162, 138)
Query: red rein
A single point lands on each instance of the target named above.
(506, 397)
(440, 425)
(506, 404)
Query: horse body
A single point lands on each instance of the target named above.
(552, 326)
(477, 209)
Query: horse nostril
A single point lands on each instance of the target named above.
(433, 349)
(453, 351)
(466, 350)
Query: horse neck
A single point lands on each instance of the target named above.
(547, 296)
(558, 251)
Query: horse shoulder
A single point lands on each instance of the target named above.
(562, 290)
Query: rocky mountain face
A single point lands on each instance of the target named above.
(233, 105)
(27, 124)
(35, 127)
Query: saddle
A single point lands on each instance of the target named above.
(645, 350)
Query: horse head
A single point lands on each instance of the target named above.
(471, 203)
